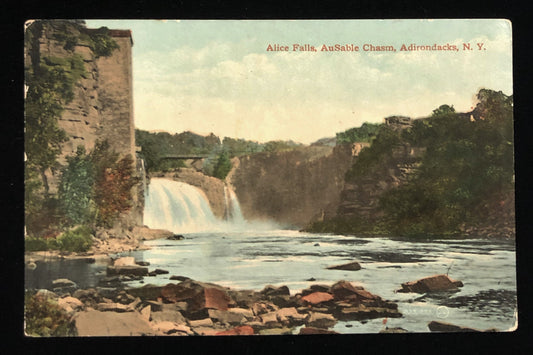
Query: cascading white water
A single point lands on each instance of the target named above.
(182, 208)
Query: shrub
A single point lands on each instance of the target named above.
(44, 317)
(76, 240)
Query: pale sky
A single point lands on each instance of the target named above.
(217, 76)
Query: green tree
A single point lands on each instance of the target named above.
(76, 189)
(223, 165)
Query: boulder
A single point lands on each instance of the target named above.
(179, 278)
(206, 322)
(127, 270)
(353, 266)
(320, 320)
(315, 288)
(276, 331)
(433, 283)
(227, 317)
(263, 307)
(127, 260)
(169, 316)
(241, 330)
(269, 320)
(317, 298)
(146, 292)
(313, 330)
(70, 304)
(167, 327)
(270, 290)
(96, 323)
(142, 263)
(198, 295)
(160, 271)
(290, 317)
(146, 312)
(113, 307)
(145, 233)
(345, 291)
(283, 301)
(245, 298)
(437, 326)
(393, 330)
(90, 297)
(175, 237)
(64, 286)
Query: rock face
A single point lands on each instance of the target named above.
(290, 187)
(431, 284)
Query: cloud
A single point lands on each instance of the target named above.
(227, 89)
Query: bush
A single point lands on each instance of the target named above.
(44, 317)
(35, 244)
(76, 240)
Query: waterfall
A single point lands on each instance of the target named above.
(182, 208)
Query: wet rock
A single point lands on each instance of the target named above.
(345, 291)
(394, 330)
(160, 271)
(320, 320)
(241, 330)
(313, 330)
(175, 237)
(179, 278)
(433, 283)
(363, 313)
(283, 301)
(317, 298)
(353, 266)
(437, 326)
(311, 279)
(64, 286)
(127, 270)
(142, 263)
(96, 323)
(270, 290)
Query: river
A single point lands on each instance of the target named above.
(247, 255)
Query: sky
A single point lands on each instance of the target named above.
(217, 76)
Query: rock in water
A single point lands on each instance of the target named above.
(437, 326)
(353, 266)
(431, 284)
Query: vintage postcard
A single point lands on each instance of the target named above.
(268, 177)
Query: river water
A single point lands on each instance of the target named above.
(250, 255)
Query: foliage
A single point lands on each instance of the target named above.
(101, 43)
(223, 165)
(366, 133)
(76, 240)
(238, 147)
(280, 146)
(76, 189)
(113, 181)
(44, 317)
(377, 155)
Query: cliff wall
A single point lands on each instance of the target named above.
(290, 187)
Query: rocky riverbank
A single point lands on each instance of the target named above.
(197, 308)
(105, 243)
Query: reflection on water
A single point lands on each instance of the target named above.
(251, 260)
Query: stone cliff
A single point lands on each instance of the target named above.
(293, 186)
(102, 104)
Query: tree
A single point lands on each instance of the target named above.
(223, 165)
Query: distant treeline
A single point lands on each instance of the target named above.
(155, 146)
